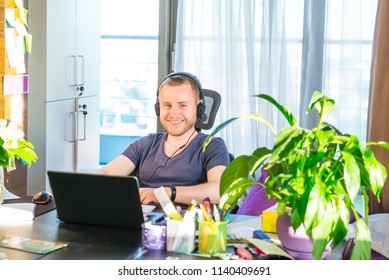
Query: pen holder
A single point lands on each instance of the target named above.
(180, 236)
(212, 237)
(154, 236)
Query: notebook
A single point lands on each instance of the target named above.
(99, 199)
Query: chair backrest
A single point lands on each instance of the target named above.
(212, 101)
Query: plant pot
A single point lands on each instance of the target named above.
(2, 187)
(297, 243)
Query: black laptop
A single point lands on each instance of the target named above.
(98, 199)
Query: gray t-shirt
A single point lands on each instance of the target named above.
(154, 168)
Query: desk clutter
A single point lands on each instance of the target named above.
(29, 245)
(203, 231)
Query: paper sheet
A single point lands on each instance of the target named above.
(17, 212)
(9, 195)
(268, 248)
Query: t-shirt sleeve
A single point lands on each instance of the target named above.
(216, 154)
(135, 149)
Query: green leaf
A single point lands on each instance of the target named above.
(260, 155)
(321, 103)
(377, 172)
(362, 248)
(316, 207)
(4, 158)
(234, 192)
(284, 111)
(257, 117)
(237, 168)
(341, 222)
(351, 175)
(379, 143)
(321, 229)
(286, 143)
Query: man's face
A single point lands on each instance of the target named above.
(178, 105)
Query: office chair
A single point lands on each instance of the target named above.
(257, 194)
(212, 101)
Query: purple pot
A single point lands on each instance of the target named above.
(297, 243)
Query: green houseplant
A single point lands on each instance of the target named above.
(316, 174)
(13, 146)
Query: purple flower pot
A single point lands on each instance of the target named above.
(297, 243)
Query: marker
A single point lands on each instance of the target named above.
(205, 213)
(166, 204)
(207, 206)
(216, 214)
(193, 205)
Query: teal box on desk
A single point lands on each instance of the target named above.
(180, 236)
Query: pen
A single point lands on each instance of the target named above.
(160, 219)
(193, 205)
(216, 214)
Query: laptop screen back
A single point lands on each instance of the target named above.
(99, 199)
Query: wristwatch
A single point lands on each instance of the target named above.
(174, 191)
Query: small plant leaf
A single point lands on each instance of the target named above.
(351, 175)
(377, 172)
(379, 143)
(341, 223)
(316, 207)
(362, 248)
(237, 168)
(235, 191)
(321, 103)
(257, 117)
(284, 111)
(286, 142)
(260, 155)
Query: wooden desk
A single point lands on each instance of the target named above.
(84, 242)
(87, 242)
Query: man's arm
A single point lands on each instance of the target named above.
(121, 166)
(185, 194)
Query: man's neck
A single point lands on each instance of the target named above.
(176, 143)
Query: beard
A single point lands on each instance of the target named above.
(178, 129)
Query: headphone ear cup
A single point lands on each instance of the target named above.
(156, 108)
(200, 109)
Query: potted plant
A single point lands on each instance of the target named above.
(13, 146)
(316, 174)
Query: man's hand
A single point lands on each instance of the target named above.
(147, 195)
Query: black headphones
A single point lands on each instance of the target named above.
(200, 107)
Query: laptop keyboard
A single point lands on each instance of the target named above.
(147, 208)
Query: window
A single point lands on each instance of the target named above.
(129, 73)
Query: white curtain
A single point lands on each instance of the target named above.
(283, 48)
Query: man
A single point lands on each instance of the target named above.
(174, 159)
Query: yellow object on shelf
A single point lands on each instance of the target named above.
(269, 220)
